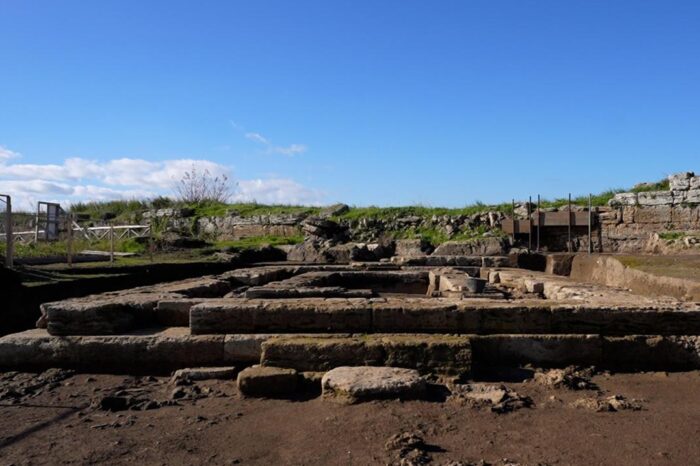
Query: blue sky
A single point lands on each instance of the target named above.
(365, 102)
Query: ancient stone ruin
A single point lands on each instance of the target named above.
(445, 316)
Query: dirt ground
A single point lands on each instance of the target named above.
(59, 418)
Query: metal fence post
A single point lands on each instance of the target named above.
(569, 246)
(590, 223)
(9, 237)
(111, 244)
(69, 240)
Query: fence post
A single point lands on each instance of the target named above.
(590, 224)
(111, 243)
(69, 241)
(9, 238)
(569, 246)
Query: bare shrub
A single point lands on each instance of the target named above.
(198, 186)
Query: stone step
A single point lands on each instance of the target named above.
(161, 351)
(424, 315)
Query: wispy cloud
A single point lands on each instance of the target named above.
(79, 179)
(257, 137)
(266, 143)
(6, 154)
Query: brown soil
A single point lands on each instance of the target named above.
(687, 267)
(45, 425)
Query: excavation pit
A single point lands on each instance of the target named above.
(322, 316)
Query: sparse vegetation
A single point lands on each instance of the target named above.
(258, 241)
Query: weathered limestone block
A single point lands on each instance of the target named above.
(205, 287)
(102, 314)
(479, 247)
(355, 384)
(695, 182)
(624, 199)
(423, 315)
(543, 350)
(680, 181)
(533, 286)
(252, 316)
(203, 373)
(283, 292)
(692, 196)
(157, 353)
(439, 261)
(259, 381)
(257, 276)
(175, 312)
(652, 352)
(559, 264)
(653, 214)
(496, 261)
(654, 198)
(412, 248)
(442, 354)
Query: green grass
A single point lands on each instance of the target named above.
(672, 235)
(258, 241)
(60, 248)
(662, 185)
(436, 236)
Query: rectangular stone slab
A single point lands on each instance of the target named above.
(291, 316)
(442, 354)
(161, 351)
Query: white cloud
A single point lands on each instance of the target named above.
(277, 191)
(257, 137)
(270, 148)
(6, 154)
(79, 179)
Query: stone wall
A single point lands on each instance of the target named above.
(633, 221)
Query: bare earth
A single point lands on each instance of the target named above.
(62, 425)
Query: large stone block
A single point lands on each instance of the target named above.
(303, 315)
(158, 353)
(624, 199)
(442, 354)
(654, 214)
(102, 314)
(654, 198)
(478, 247)
(355, 384)
(175, 312)
(680, 181)
(412, 248)
(258, 381)
(542, 350)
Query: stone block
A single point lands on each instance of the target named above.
(268, 382)
(203, 373)
(624, 199)
(559, 264)
(153, 353)
(289, 315)
(692, 196)
(680, 181)
(655, 198)
(175, 312)
(542, 350)
(654, 214)
(356, 384)
(496, 261)
(440, 354)
(412, 248)
(533, 286)
(492, 246)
